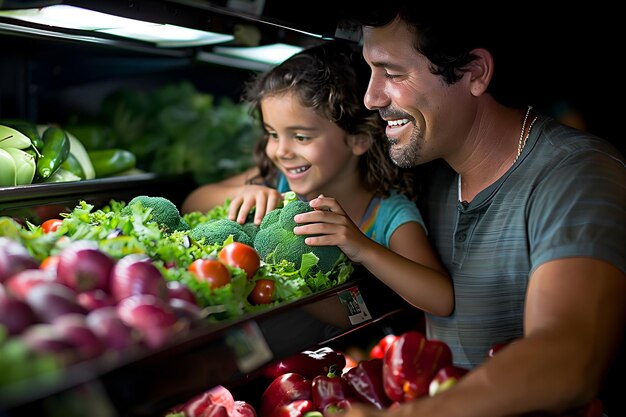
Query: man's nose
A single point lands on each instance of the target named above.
(375, 96)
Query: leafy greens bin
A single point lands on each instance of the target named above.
(173, 130)
(149, 226)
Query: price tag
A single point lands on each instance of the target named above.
(354, 304)
(249, 346)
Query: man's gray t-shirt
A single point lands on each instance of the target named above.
(564, 197)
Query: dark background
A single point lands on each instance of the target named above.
(555, 62)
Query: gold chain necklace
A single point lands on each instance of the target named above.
(522, 139)
(520, 147)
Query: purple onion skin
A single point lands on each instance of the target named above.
(152, 317)
(186, 310)
(176, 289)
(83, 267)
(113, 332)
(15, 315)
(73, 328)
(95, 299)
(14, 258)
(46, 338)
(134, 275)
(50, 300)
(20, 284)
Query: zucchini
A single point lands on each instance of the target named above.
(107, 162)
(72, 165)
(55, 150)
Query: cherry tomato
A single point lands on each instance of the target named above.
(240, 255)
(212, 271)
(51, 225)
(263, 292)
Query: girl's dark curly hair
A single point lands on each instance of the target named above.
(331, 79)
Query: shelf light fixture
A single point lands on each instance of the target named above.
(72, 17)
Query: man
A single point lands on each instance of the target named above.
(528, 215)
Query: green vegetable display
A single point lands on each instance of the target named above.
(173, 130)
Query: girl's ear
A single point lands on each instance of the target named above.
(480, 71)
(359, 143)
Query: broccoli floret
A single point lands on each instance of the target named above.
(183, 225)
(276, 240)
(270, 218)
(163, 212)
(288, 212)
(251, 229)
(217, 231)
(266, 240)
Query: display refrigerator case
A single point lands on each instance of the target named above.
(50, 71)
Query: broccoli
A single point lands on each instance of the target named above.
(251, 229)
(163, 212)
(276, 241)
(288, 212)
(270, 218)
(217, 231)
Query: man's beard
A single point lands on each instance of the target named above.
(409, 155)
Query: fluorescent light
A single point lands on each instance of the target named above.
(170, 35)
(71, 17)
(270, 54)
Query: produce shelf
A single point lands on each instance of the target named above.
(39, 202)
(145, 383)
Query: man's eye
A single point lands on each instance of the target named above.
(391, 76)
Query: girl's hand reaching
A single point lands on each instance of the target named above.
(332, 227)
(263, 198)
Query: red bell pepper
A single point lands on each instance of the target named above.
(330, 389)
(297, 408)
(410, 364)
(379, 349)
(309, 363)
(331, 409)
(243, 409)
(208, 403)
(366, 380)
(283, 391)
(446, 378)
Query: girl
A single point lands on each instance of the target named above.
(320, 141)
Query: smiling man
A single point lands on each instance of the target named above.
(527, 215)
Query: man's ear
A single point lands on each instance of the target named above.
(480, 71)
(359, 143)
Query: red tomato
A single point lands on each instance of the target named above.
(263, 292)
(212, 271)
(240, 255)
(51, 225)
